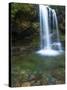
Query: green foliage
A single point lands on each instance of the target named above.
(27, 10)
(18, 6)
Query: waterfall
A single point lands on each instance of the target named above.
(44, 28)
(49, 32)
(57, 31)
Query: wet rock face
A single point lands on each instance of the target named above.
(61, 20)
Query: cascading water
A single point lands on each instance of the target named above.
(57, 31)
(45, 39)
(49, 35)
